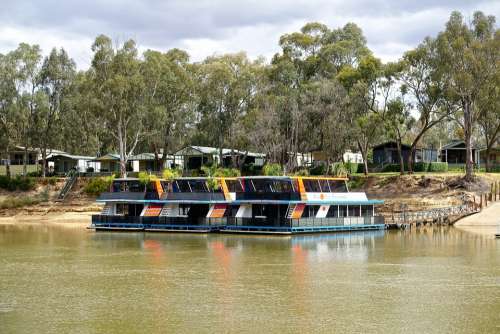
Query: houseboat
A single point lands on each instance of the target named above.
(256, 204)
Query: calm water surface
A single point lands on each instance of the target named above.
(65, 279)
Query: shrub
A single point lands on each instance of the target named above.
(98, 185)
(351, 167)
(171, 173)
(302, 172)
(319, 169)
(338, 169)
(18, 202)
(17, 183)
(272, 170)
(390, 168)
(438, 167)
(356, 182)
(220, 172)
(145, 177)
(430, 167)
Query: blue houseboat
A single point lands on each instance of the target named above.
(284, 205)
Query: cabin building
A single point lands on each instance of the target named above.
(194, 157)
(454, 153)
(62, 163)
(387, 153)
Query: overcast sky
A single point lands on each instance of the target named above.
(207, 27)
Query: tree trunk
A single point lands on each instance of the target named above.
(488, 166)
(44, 162)
(469, 167)
(364, 154)
(7, 164)
(410, 159)
(123, 168)
(25, 160)
(401, 160)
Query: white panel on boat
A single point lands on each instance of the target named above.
(169, 210)
(322, 211)
(244, 211)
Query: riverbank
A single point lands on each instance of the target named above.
(414, 192)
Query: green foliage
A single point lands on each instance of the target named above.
(430, 167)
(213, 171)
(302, 172)
(356, 183)
(353, 167)
(17, 183)
(146, 178)
(339, 169)
(391, 168)
(169, 174)
(98, 185)
(319, 169)
(272, 169)
(213, 184)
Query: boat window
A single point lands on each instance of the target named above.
(121, 209)
(311, 211)
(184, 210)
(183, 186)
(342, 211)
(354, 210)
(166, 185)
(282, 186)
(367, 210)
(135, 187)
(337, 186)
(198, 186)
(234, 186)
(324, 186)
(333, 211)
(312, 186)
(262, 185)
(116, 187)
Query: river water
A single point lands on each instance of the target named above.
(62, 278)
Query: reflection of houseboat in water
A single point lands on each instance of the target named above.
(244, 204)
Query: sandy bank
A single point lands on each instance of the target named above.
(488, 217)
(50, 218)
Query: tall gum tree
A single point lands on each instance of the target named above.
(466, 67)
(119, 86)
(56, 77)
(423, 81)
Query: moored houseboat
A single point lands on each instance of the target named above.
(256, 204)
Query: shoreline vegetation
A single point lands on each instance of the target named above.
(416, 192)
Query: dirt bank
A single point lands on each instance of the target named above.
(421, 192)
(76, 206)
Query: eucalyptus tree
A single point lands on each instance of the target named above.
(169, 100)
(369, 87)
(8, 95)
(466, 65)
(31, 100)
(326, 122)
(119, 88)
(423, 81)
(488, 104)
(56, 78)
(226, 88)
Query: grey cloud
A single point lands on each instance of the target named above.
(164, 24)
